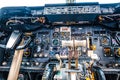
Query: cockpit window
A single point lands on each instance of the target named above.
(4, 3)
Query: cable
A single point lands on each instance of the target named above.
(100, 74)
(29, 75)
(52, 75)
(118, 77)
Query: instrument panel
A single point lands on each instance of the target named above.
(62, 41)
(48, 42)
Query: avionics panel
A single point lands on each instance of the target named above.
(96, 43)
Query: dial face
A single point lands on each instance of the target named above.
(38, 40)
(117, 52)
(55, 35)
(105, 41)
(107, 51)
(27, 52)
(55, 42)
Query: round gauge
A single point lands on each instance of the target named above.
(26, 52)
(55, 42)
(38, 40)
(107, 51)
(117, 52)
(55, 35)
(52, 53)
(105, 41)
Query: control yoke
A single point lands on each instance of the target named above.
(14, 40)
